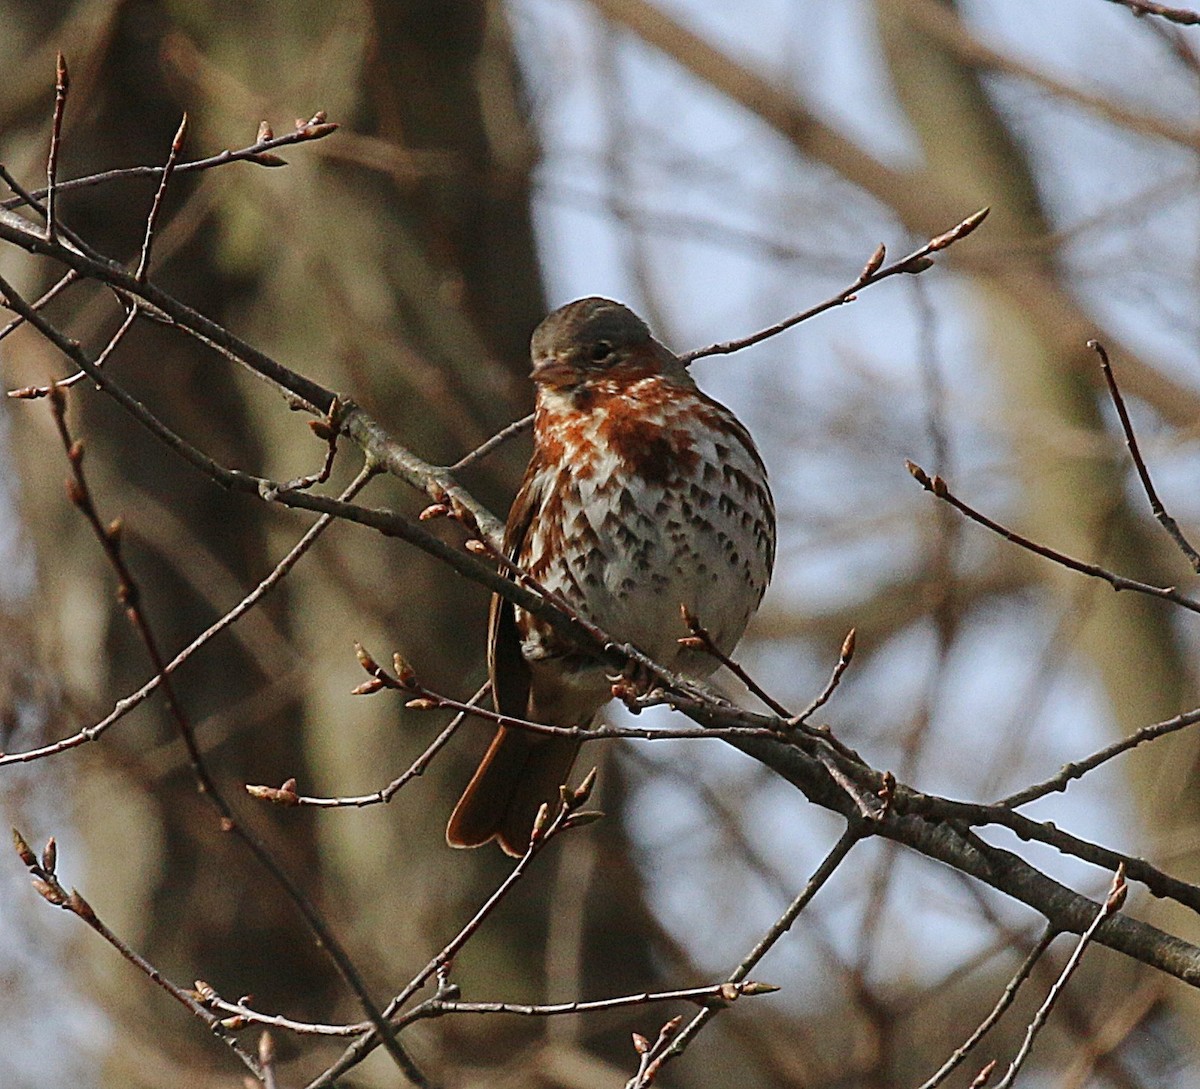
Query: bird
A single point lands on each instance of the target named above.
(642, 495)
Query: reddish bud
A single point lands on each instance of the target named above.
(434, 510)
(364, 659)
(423, 703)
(404, 672)
(323, 430)
(584, 816)
(50, 855)
(848, 644)
(50, 892)
(477, 548)
(22, 849)
(264, 133)
(369, 687)
(539, 823)
(874, 263)
(584, 791)
(640, 1044)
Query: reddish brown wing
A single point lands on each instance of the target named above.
(520, 770)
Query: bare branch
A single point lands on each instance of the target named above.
(545, 829)
(46, 883)
(938, 487)
(1076, 769)
(916, 262)
(853, 833)
(259, 152)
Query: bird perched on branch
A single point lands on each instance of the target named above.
(642, 495)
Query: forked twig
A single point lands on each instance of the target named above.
(287, 795)
(938, 487)
(874, 271)
(47, 885)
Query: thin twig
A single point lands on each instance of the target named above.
(259, 152)
(874, 271)
(62, 83)
(718, 994)
(1005, 1000)
(61, 285)
(47, 885)
(427, 699)
(701, 639)
(143, 266)
(1112, 904)
(33, 392)
(494, 443)
(1157, 509)
(938, 487)
(289, 797)
(1173, 15)
(853, 833)
(128, 595)
(845, 657)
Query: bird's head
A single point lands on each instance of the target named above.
(598, 344)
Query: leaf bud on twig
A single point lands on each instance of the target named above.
(22, 848)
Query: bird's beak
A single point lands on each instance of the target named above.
(554, 371)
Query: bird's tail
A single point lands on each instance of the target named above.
(518, 773)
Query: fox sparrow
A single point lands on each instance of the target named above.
(642, 495)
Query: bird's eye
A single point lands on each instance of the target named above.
(600, 351)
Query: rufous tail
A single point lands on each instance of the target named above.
(518, 773)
